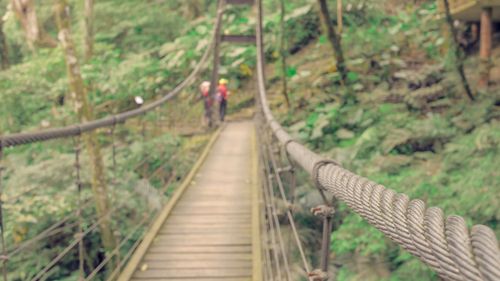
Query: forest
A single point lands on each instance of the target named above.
(404, 93)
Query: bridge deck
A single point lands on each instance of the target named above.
(207, 235)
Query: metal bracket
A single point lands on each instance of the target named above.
(318, 275)
(323, 211)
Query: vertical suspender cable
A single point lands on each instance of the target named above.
(2, 222)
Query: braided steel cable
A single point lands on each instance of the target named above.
(444, 244)
(77, 129)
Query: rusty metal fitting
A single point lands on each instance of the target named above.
(318, 275)
(323, 211)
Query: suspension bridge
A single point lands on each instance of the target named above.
(222, 222)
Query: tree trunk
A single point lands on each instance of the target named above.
(193, 9)
(485, 48)
(458, 53)
(283, 54)
(89, 29)
(84, 112)
(334, 39)
(340, 24)
(35, 35)
(4, 51)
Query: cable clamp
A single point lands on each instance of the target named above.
(285, 169)
(323, 211)
(318, 275)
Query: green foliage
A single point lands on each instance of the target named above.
(354, 234)
(445, 155)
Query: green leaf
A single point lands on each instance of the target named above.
(352, 76)
(291, 71)
(322, 39)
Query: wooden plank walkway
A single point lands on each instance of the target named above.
(470, 10)
(209, 234)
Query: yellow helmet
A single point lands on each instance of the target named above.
(223, 81)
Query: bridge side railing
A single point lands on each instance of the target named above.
(445, 244)
(74, 220)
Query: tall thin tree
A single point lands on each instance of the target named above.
(35, 35)
(4, 51)
(340, 21)
(85, 113)
(335, 42)
(459, 55)
(89, 29)
(283, 54)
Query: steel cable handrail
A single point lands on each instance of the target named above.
(77, 129)
(444, 244)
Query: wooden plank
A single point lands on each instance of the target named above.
(197, 257)
(195, 279)
(208, 219)
(202, 249)
(208, 235)
(206, 264)
(218, 211)
(150, 235)
(239, 39)
(194, 273)
(220, 230)
(202, 242)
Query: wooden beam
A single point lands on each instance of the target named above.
(239, 39)
(485, 48)
(256, 204)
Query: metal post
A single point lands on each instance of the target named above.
(114, 185)
(216, 62)
(325, 243)
(113, 151)
(145, 152)
(76, 143)
(4, 257)
(325, 212)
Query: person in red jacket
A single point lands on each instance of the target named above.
(223, 93)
